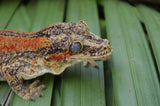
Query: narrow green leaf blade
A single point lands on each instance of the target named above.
(7, 9)
(4, 92)
(45, 13)
(123, 88)
(107, 70)
(18, 18)
(151, 20)
(134, 76)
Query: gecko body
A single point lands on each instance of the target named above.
(27, 55)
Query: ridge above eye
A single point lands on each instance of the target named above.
(75, 47)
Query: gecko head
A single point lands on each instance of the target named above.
(73, 43)
(87, 46)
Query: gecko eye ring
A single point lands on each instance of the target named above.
(75, 47)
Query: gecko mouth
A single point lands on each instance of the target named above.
(101, 56)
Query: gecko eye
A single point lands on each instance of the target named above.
(75, 47)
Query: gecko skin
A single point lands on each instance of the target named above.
(27, 55)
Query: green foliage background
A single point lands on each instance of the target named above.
(130, 77)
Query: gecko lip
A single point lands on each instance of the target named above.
(102, 57)
(98, 57)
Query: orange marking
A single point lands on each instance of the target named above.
(32, 70)
(43, 28)
(59, 57)
(31, 89)
(12, 77)
(7, 71)
(34, 62)
(11, 43)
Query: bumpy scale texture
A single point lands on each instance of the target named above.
(26, 55)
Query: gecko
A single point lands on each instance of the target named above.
(27, 55)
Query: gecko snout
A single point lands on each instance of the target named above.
(107, 48)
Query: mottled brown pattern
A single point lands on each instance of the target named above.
(51, 55)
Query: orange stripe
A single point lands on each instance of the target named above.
(44, 28)
(59, 57)
(11, 43)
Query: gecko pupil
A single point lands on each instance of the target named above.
(75, 47)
